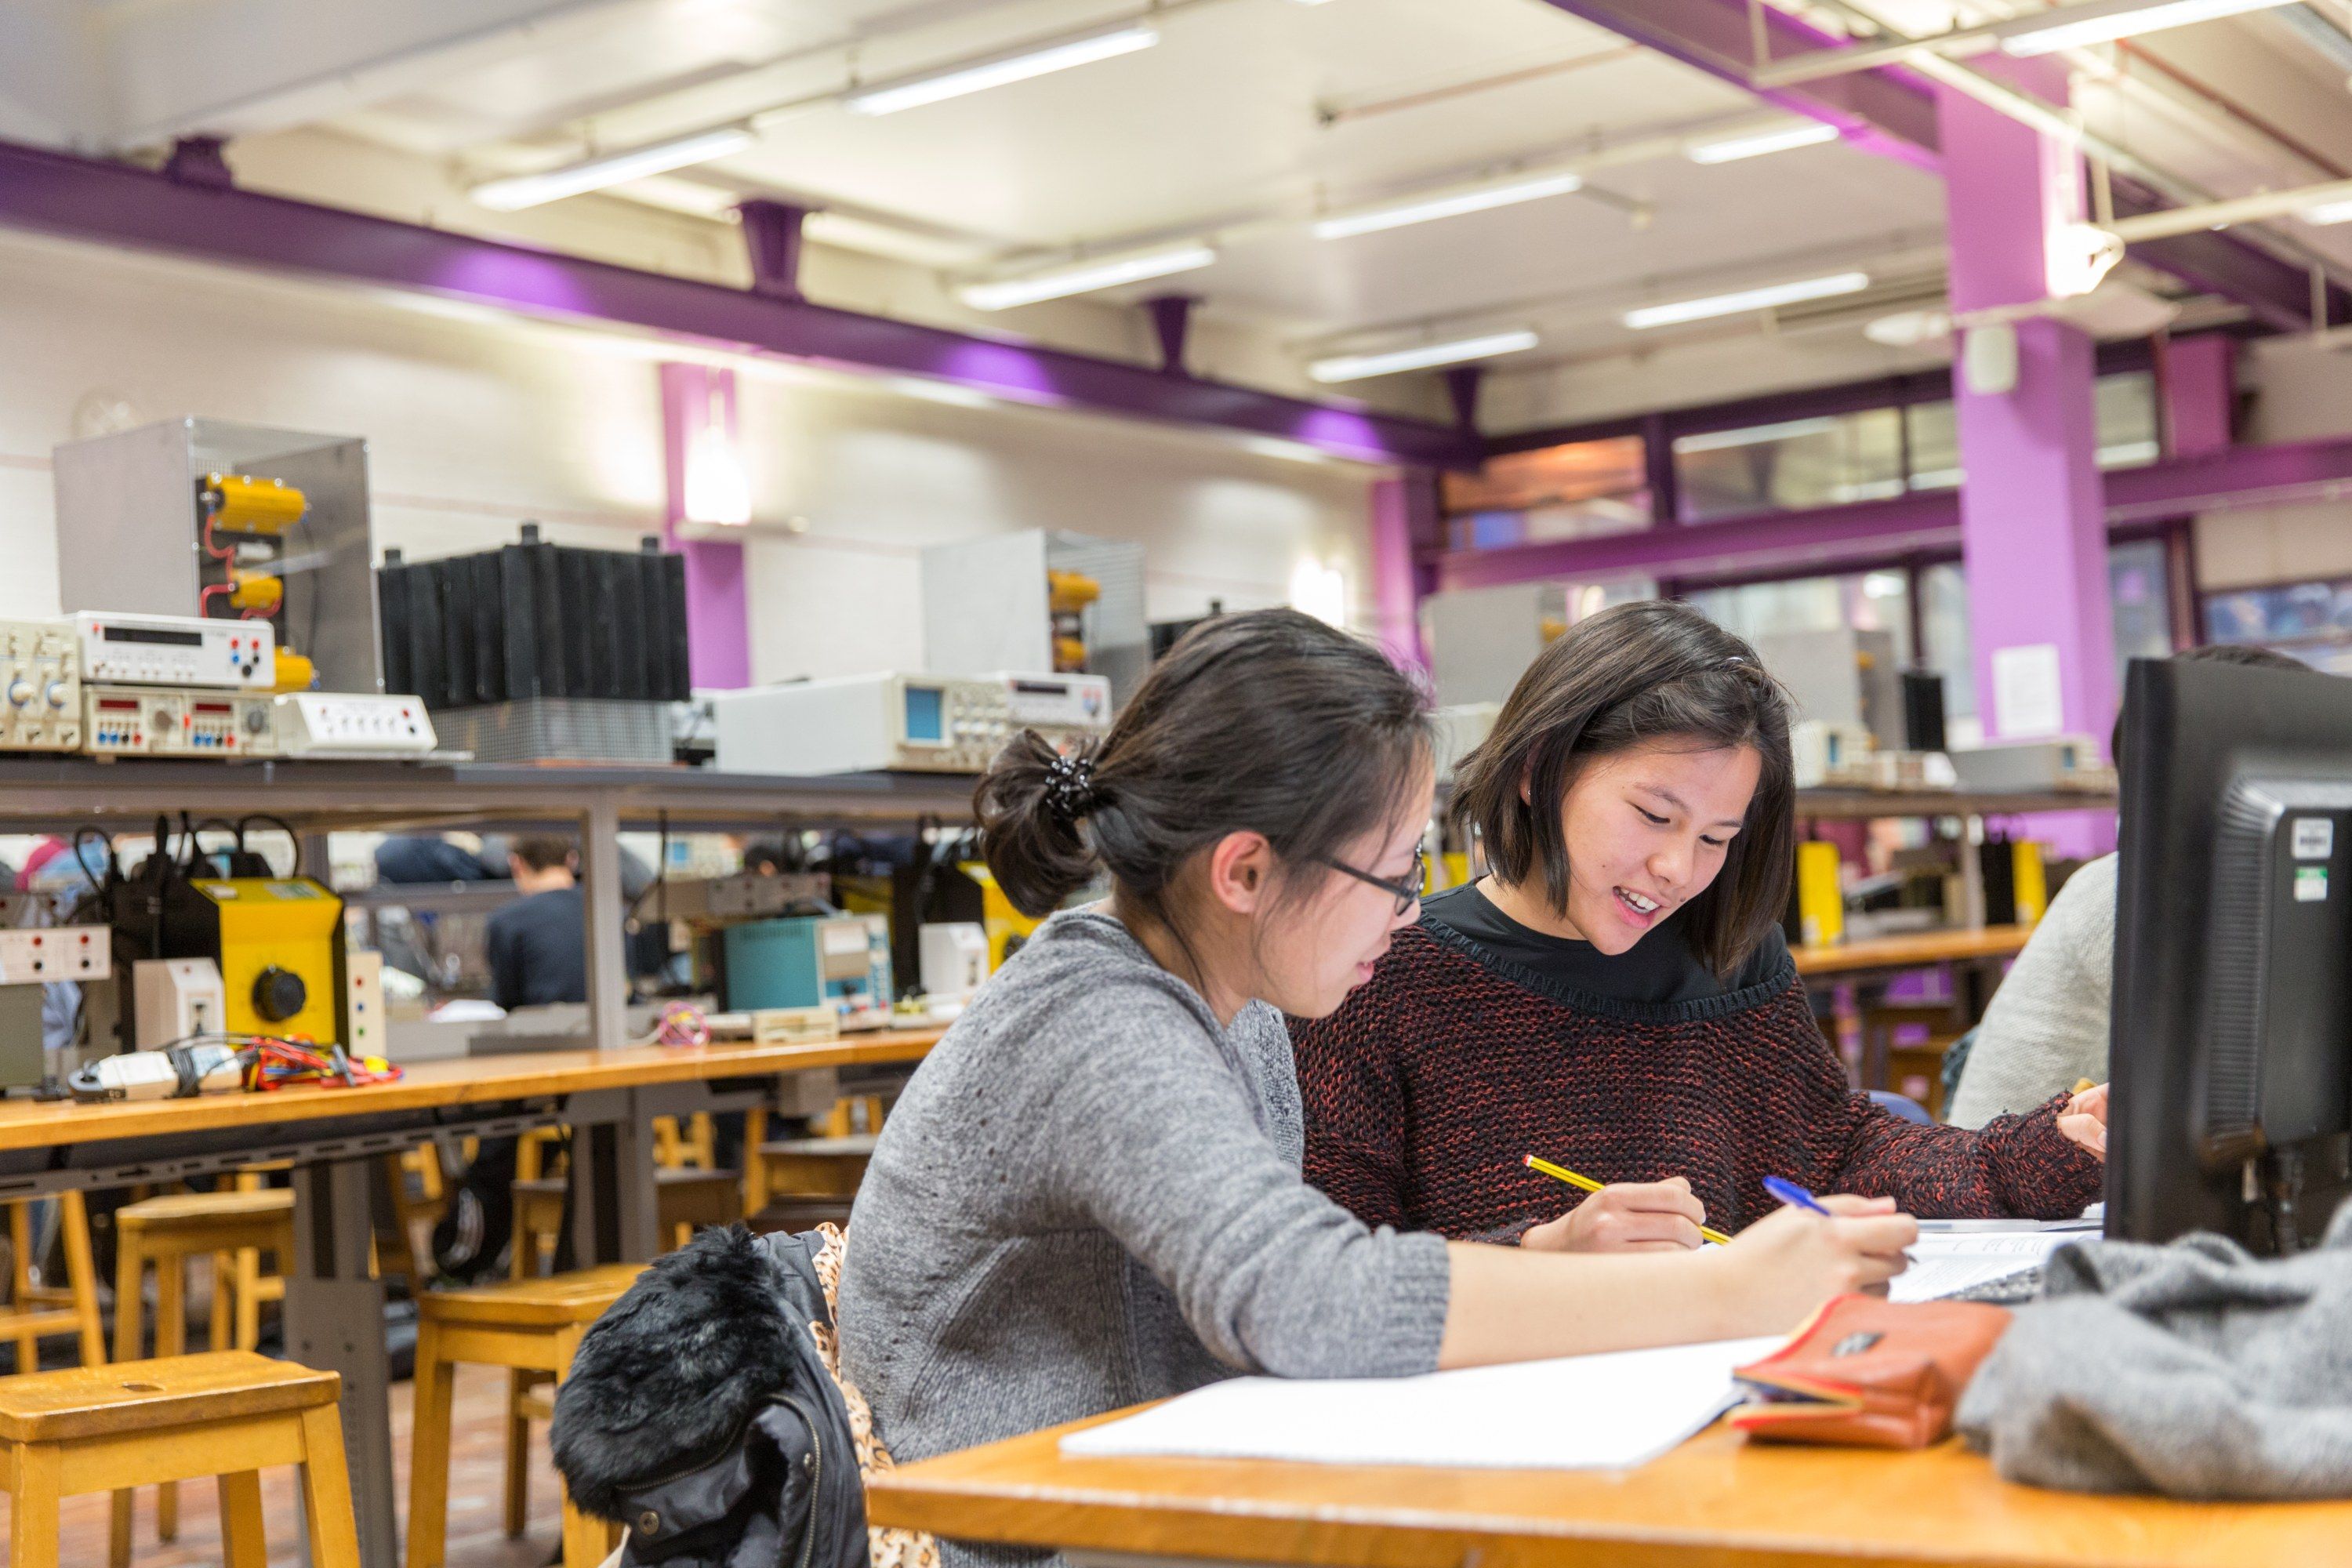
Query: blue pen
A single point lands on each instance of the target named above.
(1795, 1196)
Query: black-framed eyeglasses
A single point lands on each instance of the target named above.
(1406, 892)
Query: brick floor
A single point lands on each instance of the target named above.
(477, 1531)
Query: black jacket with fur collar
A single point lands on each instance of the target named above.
(699, 1415)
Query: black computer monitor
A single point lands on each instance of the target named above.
(2233, 1014)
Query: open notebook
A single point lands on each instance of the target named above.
(1586, 1412)
(1954, 1256)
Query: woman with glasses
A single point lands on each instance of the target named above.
(1090, 1193)
(1615, 996)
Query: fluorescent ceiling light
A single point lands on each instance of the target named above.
(1357, 367)
(2327, 212)
(996, 70)
(1447, 203)
(1755, 435)
(2072, 27)
(1733, 304)
(1086, 277)
(1732, 149)
(520, 191)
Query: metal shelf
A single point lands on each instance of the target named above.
(60, 793)
(1820, 804)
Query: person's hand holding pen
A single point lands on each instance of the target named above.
(1626, 1216)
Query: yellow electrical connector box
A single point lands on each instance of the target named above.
(1820, 899)
(279, 945)
(1007, 927)
(2030, 881)
(295, 672)
(262, 591)
(239, 503)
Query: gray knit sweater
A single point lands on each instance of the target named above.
(1090, 1196)
(2046, 1027)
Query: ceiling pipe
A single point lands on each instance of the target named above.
(2229, 213)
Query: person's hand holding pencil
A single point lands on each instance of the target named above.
(1623, 1216)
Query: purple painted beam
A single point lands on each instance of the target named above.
(1827, 538)
(1896, 391)
(115, 204)
(1892, 111)
(1462, 391)
(2277, 295)
(1834, 537)
(2196, 381)
(199, 161)
(1884, 110)
(771, 235)
(2227, 480)
(1172, 326)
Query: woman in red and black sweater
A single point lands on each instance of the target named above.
(1616, 995)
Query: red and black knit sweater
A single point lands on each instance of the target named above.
(1425, 1089)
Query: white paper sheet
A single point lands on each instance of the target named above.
(1587, 1412)
(1943, 1262)
(2028, 701)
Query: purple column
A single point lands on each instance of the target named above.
(718, 610)
(1404, 521)
(2032, 516)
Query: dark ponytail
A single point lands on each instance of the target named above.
(1269, 722)
(1031, 842)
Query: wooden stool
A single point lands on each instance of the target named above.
(529, 1326)
(531, 1151)
(168, 1231)
(227, 1414)
(693, 1143)
(688, 1200)
(35, 1312)
(805, 1168)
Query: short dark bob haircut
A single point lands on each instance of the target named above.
(1627, 677)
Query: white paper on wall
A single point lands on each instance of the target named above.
(2026, 701)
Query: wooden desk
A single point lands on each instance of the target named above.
(1914, 949)
(443, 1085)
(1715, 1503)
(334, 1138)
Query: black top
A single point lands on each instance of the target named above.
(1660, 969)
(539, 950)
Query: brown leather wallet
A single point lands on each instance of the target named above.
(1870, 1372)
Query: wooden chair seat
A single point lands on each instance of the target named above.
(183, 1213)
(806, 1168)
(226, 1414)
(576, 1299)
(531, 1327)
(143, 1395)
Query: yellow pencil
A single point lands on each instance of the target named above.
(1587, 1184)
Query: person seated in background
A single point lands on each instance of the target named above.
(538, 945)
(1616, 997)
(2046, 1028)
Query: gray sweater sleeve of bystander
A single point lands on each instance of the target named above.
(2047, 1027)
